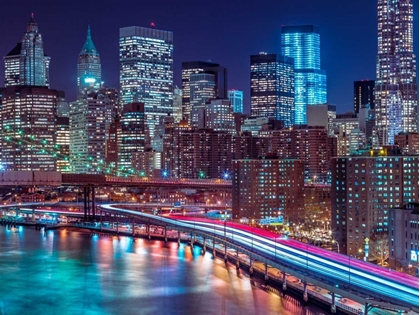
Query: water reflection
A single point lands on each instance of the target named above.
(65, 272)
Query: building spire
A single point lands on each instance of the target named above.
(88, 46)
(32, 26)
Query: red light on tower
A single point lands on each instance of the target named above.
(152, 24)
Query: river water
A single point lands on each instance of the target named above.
(67, 272)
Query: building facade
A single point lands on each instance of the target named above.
(236, 99)
(87, 134)
(303, 44)
(364, 189)
(408, 142)
(34, 65)
(396, 91)
(89, 77)
(28, 128)
(273, 87)
(188, 68)
(62, 136)
(404, 236)
(146, 71)
(363, 94)
(202, 88)
(322, 115)
(219, 116)
(267, 188)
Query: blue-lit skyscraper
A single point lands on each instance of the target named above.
(303, 43)
(88, 68)
(146, 71)
(272, 87)
(236, 99)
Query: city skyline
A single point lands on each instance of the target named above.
(199, 44)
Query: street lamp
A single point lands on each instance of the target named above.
(338, 246)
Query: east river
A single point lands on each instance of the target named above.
(66, 272)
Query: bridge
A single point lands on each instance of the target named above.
(55, 179)
(357, 280)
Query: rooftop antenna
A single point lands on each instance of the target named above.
(152, 24)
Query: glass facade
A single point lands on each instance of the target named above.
(396, 87)
(34, 65)
(273, 87)
(202, 88)
(302, 43)
(88, 68)
(236, 99)
(146, 70)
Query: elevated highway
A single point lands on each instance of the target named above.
(360, 281)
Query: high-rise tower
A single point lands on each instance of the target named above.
(146, 71)
(34, 65)
(303, 42)
(396, 88)
(273, 87)
(88, 68)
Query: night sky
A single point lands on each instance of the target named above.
(223, 31)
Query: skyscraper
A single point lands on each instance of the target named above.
(273, 87)
(88, 68)
(364, 94)
(202, 88)
(396, 88)
(26, 63)
(193, 67)
(146, 70)
(28, 130)
(34, 65)
(302, 42)
(87, 134)
(236, 100)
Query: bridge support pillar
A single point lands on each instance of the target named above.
(33, 215)
(333, 308)
(85, 209)
(100, 221)
(132, 227)
(204, 245)
(251, 267)
(266, 273)
(226, 256)
(305, 292)
(192, 240)
(93, 202)
(166, 237)
(367, 308)
(214, 247)
(179, 237)
(148, 231)
(284, 285)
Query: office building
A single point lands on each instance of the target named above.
(364, 94)
(322, 115)
(133, 137)
(177, 112)
(34, 65)
(236, 99)
(88, 68)
(202, 88)
(364, 190)
(194, 67)
(396, 91)
(112, 145)
(28, 131)
(88, 134)
(26, 63)
(146, 71)
(303, 44)
(404, 237)
(343, 126)
(267, 188)
(219, 116)
(62, 144)
(273, 87)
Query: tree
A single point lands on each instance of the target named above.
(379, 246)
